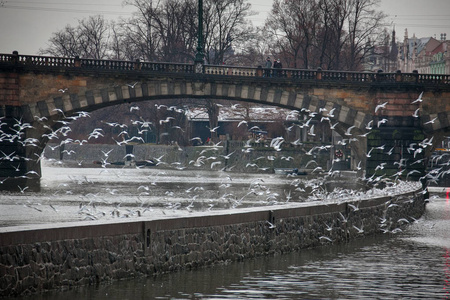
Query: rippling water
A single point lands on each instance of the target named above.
(413, 264)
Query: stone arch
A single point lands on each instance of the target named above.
(303, 100)
(287, 97)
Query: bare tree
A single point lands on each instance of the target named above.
(177, 28)
(330, 40)
(162, 30)
(321, 33)
(94, 37)
(364, 23)
(294, 24)
(140, 40)
(89, 39)
(63, 43)
(253, 51)
(225, 27)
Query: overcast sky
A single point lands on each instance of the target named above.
(26, 25)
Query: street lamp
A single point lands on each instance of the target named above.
(199, 56)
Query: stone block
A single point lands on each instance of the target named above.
(6, 282)
(24, 272)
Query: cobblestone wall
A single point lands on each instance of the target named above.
(67, 255)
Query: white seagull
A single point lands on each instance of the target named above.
(212, 129)
(133, 85)
(242, 122)
(430, 122)
(382, 121)
(311, 131)
(418, 99)
(380, 106)
(349, 129)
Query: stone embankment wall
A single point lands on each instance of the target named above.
(61, 256)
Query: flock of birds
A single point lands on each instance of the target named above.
(213, 158)
(386, 223)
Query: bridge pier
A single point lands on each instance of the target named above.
(397, 149)
(20, 168)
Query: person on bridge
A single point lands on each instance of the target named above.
(267, 67)
(278, 65)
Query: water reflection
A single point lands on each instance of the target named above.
(413, 264)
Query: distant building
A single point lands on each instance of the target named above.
(426, 55)
(440, 61)
(261, 121)
(382, 57)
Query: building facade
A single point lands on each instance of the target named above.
(426, 55)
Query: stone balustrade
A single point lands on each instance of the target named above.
(42, 62)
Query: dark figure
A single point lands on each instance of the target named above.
(278, 65)
(267, 67)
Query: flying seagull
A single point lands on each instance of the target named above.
(418, 99)
(380, 106)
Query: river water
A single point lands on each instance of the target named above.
(97, 194)
(413, 264)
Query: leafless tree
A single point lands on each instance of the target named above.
(63, 43)
(364, 22)
(251, 52)
(94, 37)
(89, 39)
(293, 23)
(140, 39)
(225, 27)
(324, 33)
(162, 30)
(177, 28)
(330, 41)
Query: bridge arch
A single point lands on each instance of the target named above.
(304, 100)
(268, 94)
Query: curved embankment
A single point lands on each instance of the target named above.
(37, 258)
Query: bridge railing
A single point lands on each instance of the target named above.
(166, 67)
(135, 65)
(39, 61)
(434, 78)
(105, 64)
(230, 70)
(223, 70)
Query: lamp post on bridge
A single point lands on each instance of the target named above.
(199, 56)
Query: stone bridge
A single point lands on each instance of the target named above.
(33, 87)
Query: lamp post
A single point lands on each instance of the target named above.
(199, 56)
